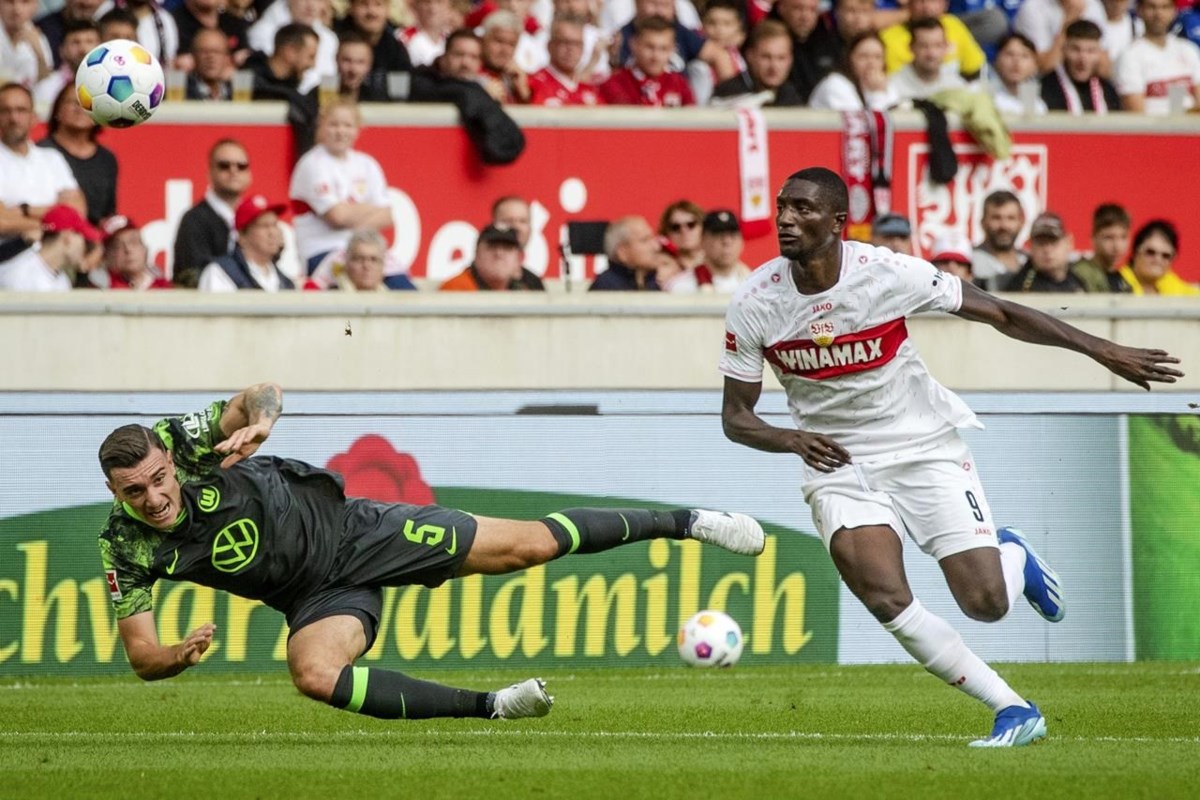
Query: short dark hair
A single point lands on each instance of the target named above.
(833, 192)
(12, 86)
(293, 35)
(461, 33)
(53, 123)
(1161, 227)
(77, 25)
(655, 24)
(352, 36)
(1083, 29)
(1014, 36)
(117, 15)
(925, 24)
(728, 5)
(1108, 215)
(1001, 197)
(128, 446)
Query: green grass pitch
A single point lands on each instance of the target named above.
(1116, 731)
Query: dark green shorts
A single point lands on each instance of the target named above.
(386, 544)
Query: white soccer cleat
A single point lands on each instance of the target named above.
(736, 533)
(524, 699)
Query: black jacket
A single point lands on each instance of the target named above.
(203, 236)
(496, 137)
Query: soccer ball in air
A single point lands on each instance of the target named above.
(710, 639)
(119, 83)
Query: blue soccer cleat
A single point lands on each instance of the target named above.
(1015, 726)
(1042, 587)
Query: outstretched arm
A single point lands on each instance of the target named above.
(744, 426)
(1134, 364)
(248, 420)
(150, 659)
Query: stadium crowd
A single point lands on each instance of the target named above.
(60, 225)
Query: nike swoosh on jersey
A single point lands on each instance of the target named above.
(453, 548)
(171, 569)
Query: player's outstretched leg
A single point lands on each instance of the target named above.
(592, 530)
(392, 695)
(1042, 587)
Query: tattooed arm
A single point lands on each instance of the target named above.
(248, 420)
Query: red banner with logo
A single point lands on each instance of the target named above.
(442, 193)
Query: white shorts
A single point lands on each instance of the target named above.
(932, 493)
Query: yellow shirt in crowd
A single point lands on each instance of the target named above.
(897, 43)
(1169, 284)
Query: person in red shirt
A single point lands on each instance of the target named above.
(125, 259)
(647, 82)
(557, 83)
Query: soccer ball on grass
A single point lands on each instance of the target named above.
(119, 84)
(710, 639)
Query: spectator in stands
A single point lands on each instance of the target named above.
(336, 189)
(816, 46)
(998, 258)
(72, 132)
(513, 212)
(1155, 247)
(556, 84)
(209, 79)
(193, 16)
(1045, 22)
(206, 229)
(118, 23)
(690, 54)
(25, 55)
(594, 66)
(722, 24)
(126, 262)
(853, 18)
(633, 254)
(768, 67)
(1076, 85)
(723, 269)
(33, 178)
(1158, 61)
(1049, 268)
(1187, 23)
(503, 79)
(530, 54)
(369, 19)
(951, 253)
(963, 54)
(928, 73)
(44, 268)
(463, 58)
(79, 37)
(426, 39)
(496, 266)
(892, 231)
(251, 265)
(156, 30)
(1110, 243)
(54, 24)
(1016, 67)
(263, 36)
(362, 267)
(1121, 26)
(680, 224)
(860, 82)
(357, 80)
(280, 74)
(647, 82)
(614, 14)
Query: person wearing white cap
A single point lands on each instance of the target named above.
(951, 252)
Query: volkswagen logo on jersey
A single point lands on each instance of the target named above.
(235, 546)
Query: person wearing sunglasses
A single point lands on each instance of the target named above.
(680, 223)
(1155, 246)
(205, 230)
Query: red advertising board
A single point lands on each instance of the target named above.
(596, 171)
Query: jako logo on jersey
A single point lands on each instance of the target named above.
(114, 588)
(854, 352)
(817, 309)
(731, 341)
(235, 546)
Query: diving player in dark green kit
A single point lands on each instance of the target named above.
(191, 505)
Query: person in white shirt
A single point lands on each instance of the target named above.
(44, 268)
(1157, 61)
(261, 36)
(32, 179)
(336, 188)
(928, 73)
(251, 265)
(864, 83)
(156, 28)
(426, 40)
(1045, 23)
(878, 436)
(25, 55)
(79, 37)
(1014, 78)
(1121, 26)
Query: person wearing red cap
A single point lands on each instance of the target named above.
(125, 260)
(251, 265)
(43, 268)
(951, 253)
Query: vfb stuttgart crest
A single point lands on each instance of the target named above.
(235, 546)
(823, 332)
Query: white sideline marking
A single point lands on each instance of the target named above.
(286, 736)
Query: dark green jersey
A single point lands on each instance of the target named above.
(267, 528)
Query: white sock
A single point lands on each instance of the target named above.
(1012, 561)
(941, 650)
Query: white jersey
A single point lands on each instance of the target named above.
(843, 356)
(1150, 70)
(320, 181)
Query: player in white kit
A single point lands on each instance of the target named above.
(878, 435)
